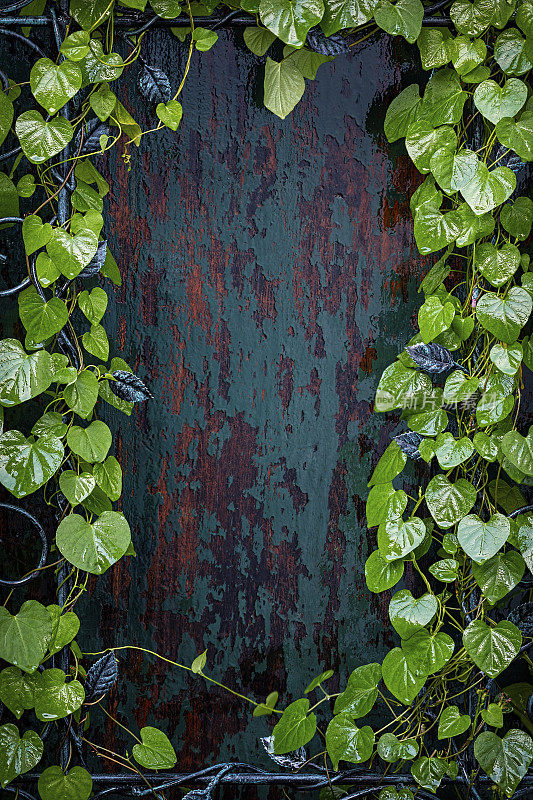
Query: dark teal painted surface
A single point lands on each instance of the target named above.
(269, 275)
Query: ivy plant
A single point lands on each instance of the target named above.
(456, 388)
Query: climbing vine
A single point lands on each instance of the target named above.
(444, 691)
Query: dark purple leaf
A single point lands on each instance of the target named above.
(101, 677)
(432, 358)
(332, 45)
(92, 130)
(522, 617)
(128, 386)
(154, 84)
(409, 443)
(96, 263)
(294, 760)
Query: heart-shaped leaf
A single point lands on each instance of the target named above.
(155, 752)
(42, 319)
(403, 18)
(361, 692)
(72, 253)
(408, 614)
(466, 53)
(170, 114)
(76, 487)
(22, 375)
(519, 450)
(397, 388)
(497, 576)
(493, 715)
(17, 690)
(423, 139)
(517, 136)
(391, 749)
(496, 102)
(453, 170)
(65, 626)
(24, 636)
(453, 723)
(53, 783)
(505, 760)
(91, 443)
(488, 188)
(380, 574)
(428, 772)
(445, 570)
(443, 99)
(82, 393)
(472, 18)
(497, 265)
(397, 538)
(291, 20)
(76, 45)
(482, 540)
(283, 88)
(295, 728)
(426, 652)
(434, 46)
(505, 317)
(35, 233)
(93, 304)
(402, 112)
(512, 53)
(344, 740)
(17, 755)
(449, 502)
(53, 85)
(400, 679)
(492, 649)
(459, 387)
(26, 465)
(108, 476)
(41, 140)
(451, 452)
(434, 318)
(55, 698)
(93, 547)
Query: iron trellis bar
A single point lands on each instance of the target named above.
(230, 774)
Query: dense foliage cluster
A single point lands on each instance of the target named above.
(457, 384)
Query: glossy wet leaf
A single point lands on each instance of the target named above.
(449, 502)
(443, 99)
(156, 751)
(101, 677)
(318, 681)
(361, 692)
(466, 53)
(53, 85)
(340, 14)
(506, 359)
(24, 636)
(517, 217)
(426, 652)
(505, 317)
(22, 375)
(499, 575)
(397, 538)
(488, 188)
(344, 740)
(290, 20)
(434, 46)
(306, 61)
(93, 304)
(445, 570)
(93, 547)
(65, 627)
(423, 139)
(103, 102)
(480, 539)
(154, 84)
(284, 87)
(17, 754)
(511, 52)
(72, 253)
(492, 649)
(170, 114)
(98, 66)
(434, 230)
(35, 233)
(399, 677)
(42, 319)
(493, 715)
(17, 690)
(76, 784)
(451, 452)
(497, 265)
(459, 387)
(91, 443)
(428, 771)
(81, 395)
(399, 385)
(26, 465)
(496, 102)
(403, 18)
(380, 574)
(41, 140)
(392, 749)
(518, 136)
(258, 40)
(472, 18)
(56, 698)
(76, 45)
(95, 341)
(378, 503)
(408, 614)
(505, 760)
(453, 170)
(453, 723)
(295, 728)
(76, 487)
(519, 450)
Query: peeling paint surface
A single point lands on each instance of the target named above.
(269, 275)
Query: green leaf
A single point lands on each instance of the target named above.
(423, 139)
(445, 570)
(426, 652)
(340, 14)
(481, 540)
(72, 253)
(76, 487)
(451, 452)
(199, 663)
(284, 86)
(434, 46)
(9, 198)
(290, 20)
(380, 574)
(295, 728)
(22, 375)
(346, 742)
(204, 39)
(266, 708)
(100, 67)
(497, 265)
(403, 18)
(402, 112)
(26, 465)
(170, 113)
(493, 715)
(41, 140)
(306, 61)
(434, 317)
(167, 9)
(505, 760)
(408, 614)
(24, 636)
(466, 54)
(35, 233)
(82, 394)
(397, 388)
(488, 189)
(428, 771)
(318, 681)
(40, 318)
(108, 476)
(93, 304)
(397, 538)
(155, 752)
(17, 755)
(65, 627)
(434, 230)
(91, 443)
(258, 40)
(103, 102)
(518, 136)
(93, 547)
(472, 18)
(485, 446)
(6, 116)
(506, 359)
(17, 690)
(492, 649)
(53, 85)
(471, 226)
(361, 692)
(96, 342)
(517, 217)
(90, 14)
(443, 99)
(378, 503)
(391, 749)
(75, 46)
(497, 576)
(519, 450)
(53, 784)
(399, 678)
(511, 53)
(496, 102)
(505, 317)
(453, 170)
(429, 423)
(389, 465)
(453, 723)
(524, 17)
(449, 502)
(55, 698)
